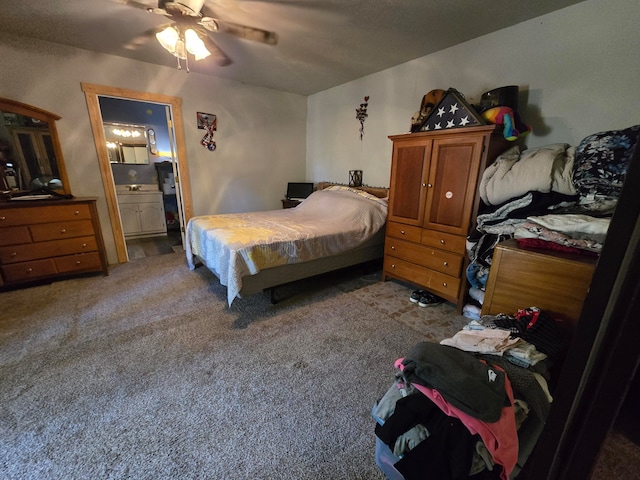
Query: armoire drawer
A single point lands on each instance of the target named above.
(444, 285)
(446, 241)
(78, 263)
(433, 258)
(10, 217)
(14, 236)
(57, 230)
(401, 230)
(53, 248)
(25, 271)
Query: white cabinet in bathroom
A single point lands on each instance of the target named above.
(142, 213)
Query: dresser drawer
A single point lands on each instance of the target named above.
(446, 241)
(401, 230)
(25, 271)
(441, 284)
(68, 229)
(14, 236)
(433, 258)
(78, 263)
(10, 217)
(54, 248)
(556, 282)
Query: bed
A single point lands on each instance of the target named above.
(335, 227)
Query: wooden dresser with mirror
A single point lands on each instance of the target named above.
(45, 232)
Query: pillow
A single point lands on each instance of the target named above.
(601, 161)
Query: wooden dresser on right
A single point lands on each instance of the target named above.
(555, 282)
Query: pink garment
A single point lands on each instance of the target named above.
(500, 438)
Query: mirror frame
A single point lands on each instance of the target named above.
(13, 106)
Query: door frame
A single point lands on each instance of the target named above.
(92, 92)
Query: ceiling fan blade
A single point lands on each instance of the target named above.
(141, 6)
(141, 39)
(240, 31)
(213, 24)
(217, 54)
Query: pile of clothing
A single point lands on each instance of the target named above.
(554, 197)
(455, 408)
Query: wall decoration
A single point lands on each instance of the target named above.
(452, 112)
(208, 122)
(361, 114)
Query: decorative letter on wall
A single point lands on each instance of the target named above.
(361, 114)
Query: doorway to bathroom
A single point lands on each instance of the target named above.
(145, 178)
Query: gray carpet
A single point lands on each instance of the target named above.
(147, 374)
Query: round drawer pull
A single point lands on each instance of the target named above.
(424, 184)
(444, 284)
(84, 244)
(430, 185)
(402, 232)
(3, 218)
(77, 212)
(393, 247)
(29, 270)
(13, 254)
(64, 230)
(77, 262)
(442, 242)
(393, 265)
(446, 264)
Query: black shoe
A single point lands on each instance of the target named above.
(415, 296)
(429, 300)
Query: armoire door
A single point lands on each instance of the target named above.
(455, 163)
(409, 173)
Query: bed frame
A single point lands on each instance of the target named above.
(269, 279)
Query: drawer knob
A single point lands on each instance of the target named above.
(77, 212)
(402, 232)
(3, 218)
(13, 254)
(64, 230)
(442, 242)
(444, 284)
(77, 262)
(84, 244)
(429, 185)
(29, 270)
(393, 265)
(446, 264)
(393, 247)
(424, 184)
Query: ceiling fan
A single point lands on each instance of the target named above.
(189, 31)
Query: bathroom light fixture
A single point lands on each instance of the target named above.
(179, 43)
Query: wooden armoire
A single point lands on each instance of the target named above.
(433, 203)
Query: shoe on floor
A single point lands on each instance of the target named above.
(429, 300)
(415, 296)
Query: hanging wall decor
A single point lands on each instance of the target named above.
(361, 114)
(208, 122)
(452, 112)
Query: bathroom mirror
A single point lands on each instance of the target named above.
(30, 153)
(126, 143)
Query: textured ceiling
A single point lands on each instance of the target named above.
(322, 43)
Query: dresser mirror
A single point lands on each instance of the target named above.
(126, 143)
(30, 153)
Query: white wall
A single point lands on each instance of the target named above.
(260, 138)
(578, 70)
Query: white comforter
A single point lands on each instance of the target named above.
(328, 222)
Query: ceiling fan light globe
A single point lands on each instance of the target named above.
(168, 38)
(195, 45)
